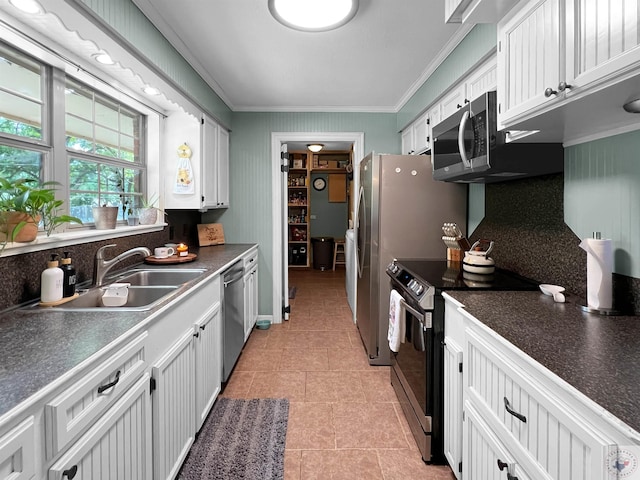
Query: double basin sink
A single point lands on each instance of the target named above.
(148, 287)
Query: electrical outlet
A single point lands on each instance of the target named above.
(313, 217)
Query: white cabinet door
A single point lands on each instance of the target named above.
(453, 405)
(173, 407)
(607, 37)
(223, 168)
(453, 100)
(408, 147)
(421, 133)
(209, 163)
(485, 457)
(529, 57)
(17, 452)
(483, 79)
(118, 445)
(250, 300)
(208, 361)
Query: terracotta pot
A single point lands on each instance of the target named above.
(27, 233)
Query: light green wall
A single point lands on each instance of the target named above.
(127, 21)
(331, 218)
(250, 216)
(602, 194)
(479, 43)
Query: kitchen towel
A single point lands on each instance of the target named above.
(396, 332)
(599, 272)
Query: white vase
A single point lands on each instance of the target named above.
(148, 216)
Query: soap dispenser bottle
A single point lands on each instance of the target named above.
(69, 276)
(51, 281)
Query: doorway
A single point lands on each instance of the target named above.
(280, 140)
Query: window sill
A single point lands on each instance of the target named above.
(76, 237)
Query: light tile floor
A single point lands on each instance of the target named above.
(344, 420)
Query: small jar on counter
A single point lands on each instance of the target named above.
(182, 250)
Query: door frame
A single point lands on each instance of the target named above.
(279, 196)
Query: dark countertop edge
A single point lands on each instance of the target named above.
(139, 322)
(628, 422)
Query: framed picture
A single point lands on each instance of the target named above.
(297, 163)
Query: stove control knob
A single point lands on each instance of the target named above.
(419, 290)
(411, 284)
(393, 268)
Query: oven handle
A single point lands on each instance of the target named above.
(422, 318)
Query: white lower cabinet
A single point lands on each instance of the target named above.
(250, 292)
(17, 455)
(117, 446)
(453, 405)
(208, 361)
(173, 407)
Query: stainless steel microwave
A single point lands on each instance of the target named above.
(468, 147)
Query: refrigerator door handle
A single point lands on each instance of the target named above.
(360, 224)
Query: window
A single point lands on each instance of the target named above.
(101, 158)
(23, 150)
(103, 139)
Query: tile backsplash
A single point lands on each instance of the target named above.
(22, 272)
(525, 219)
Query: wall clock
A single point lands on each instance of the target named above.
(319, 184)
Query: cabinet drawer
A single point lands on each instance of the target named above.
(486, 458)
(250, 260)
(17, 452)
(80, 405)
(564, 446)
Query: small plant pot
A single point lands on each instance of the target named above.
(148, 216)
(133, 221)
(105, 218)
(27, 233)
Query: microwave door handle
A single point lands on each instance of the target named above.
(461, 147)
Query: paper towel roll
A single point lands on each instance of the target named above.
(599, 272)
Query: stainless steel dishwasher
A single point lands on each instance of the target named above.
(232, 317)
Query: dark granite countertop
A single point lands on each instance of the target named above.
(598, 355)
(40, 345)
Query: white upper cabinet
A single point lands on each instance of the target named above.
(529, 47)
(209, 144)
(550, 51)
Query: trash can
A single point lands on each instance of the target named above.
(322, 253)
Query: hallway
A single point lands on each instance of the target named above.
(344, 420)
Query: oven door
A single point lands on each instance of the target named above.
(413, 363)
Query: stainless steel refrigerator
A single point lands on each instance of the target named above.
(400, 214)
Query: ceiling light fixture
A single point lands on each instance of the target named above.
(103, 58)
(315, 147)
(313, 15)
(151, 90)
(27, 6)
(633, 106)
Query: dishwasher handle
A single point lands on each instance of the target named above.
(232, 277)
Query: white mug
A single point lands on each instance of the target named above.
(163, 252)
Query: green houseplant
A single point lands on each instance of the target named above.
(24, 203)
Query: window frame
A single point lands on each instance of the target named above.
(56, 156)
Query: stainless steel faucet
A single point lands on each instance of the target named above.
(102, 266)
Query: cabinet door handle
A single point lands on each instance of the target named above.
(550, 91)
(502, 465)
(519, 416)
(511, 477)
(70, 473)
(102, 388)
(202, 327)
(197, 334)
(562, 86)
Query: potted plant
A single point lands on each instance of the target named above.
(24, 203)
(105, 217)
(148, 213)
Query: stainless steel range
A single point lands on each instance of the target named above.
(417, 371)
